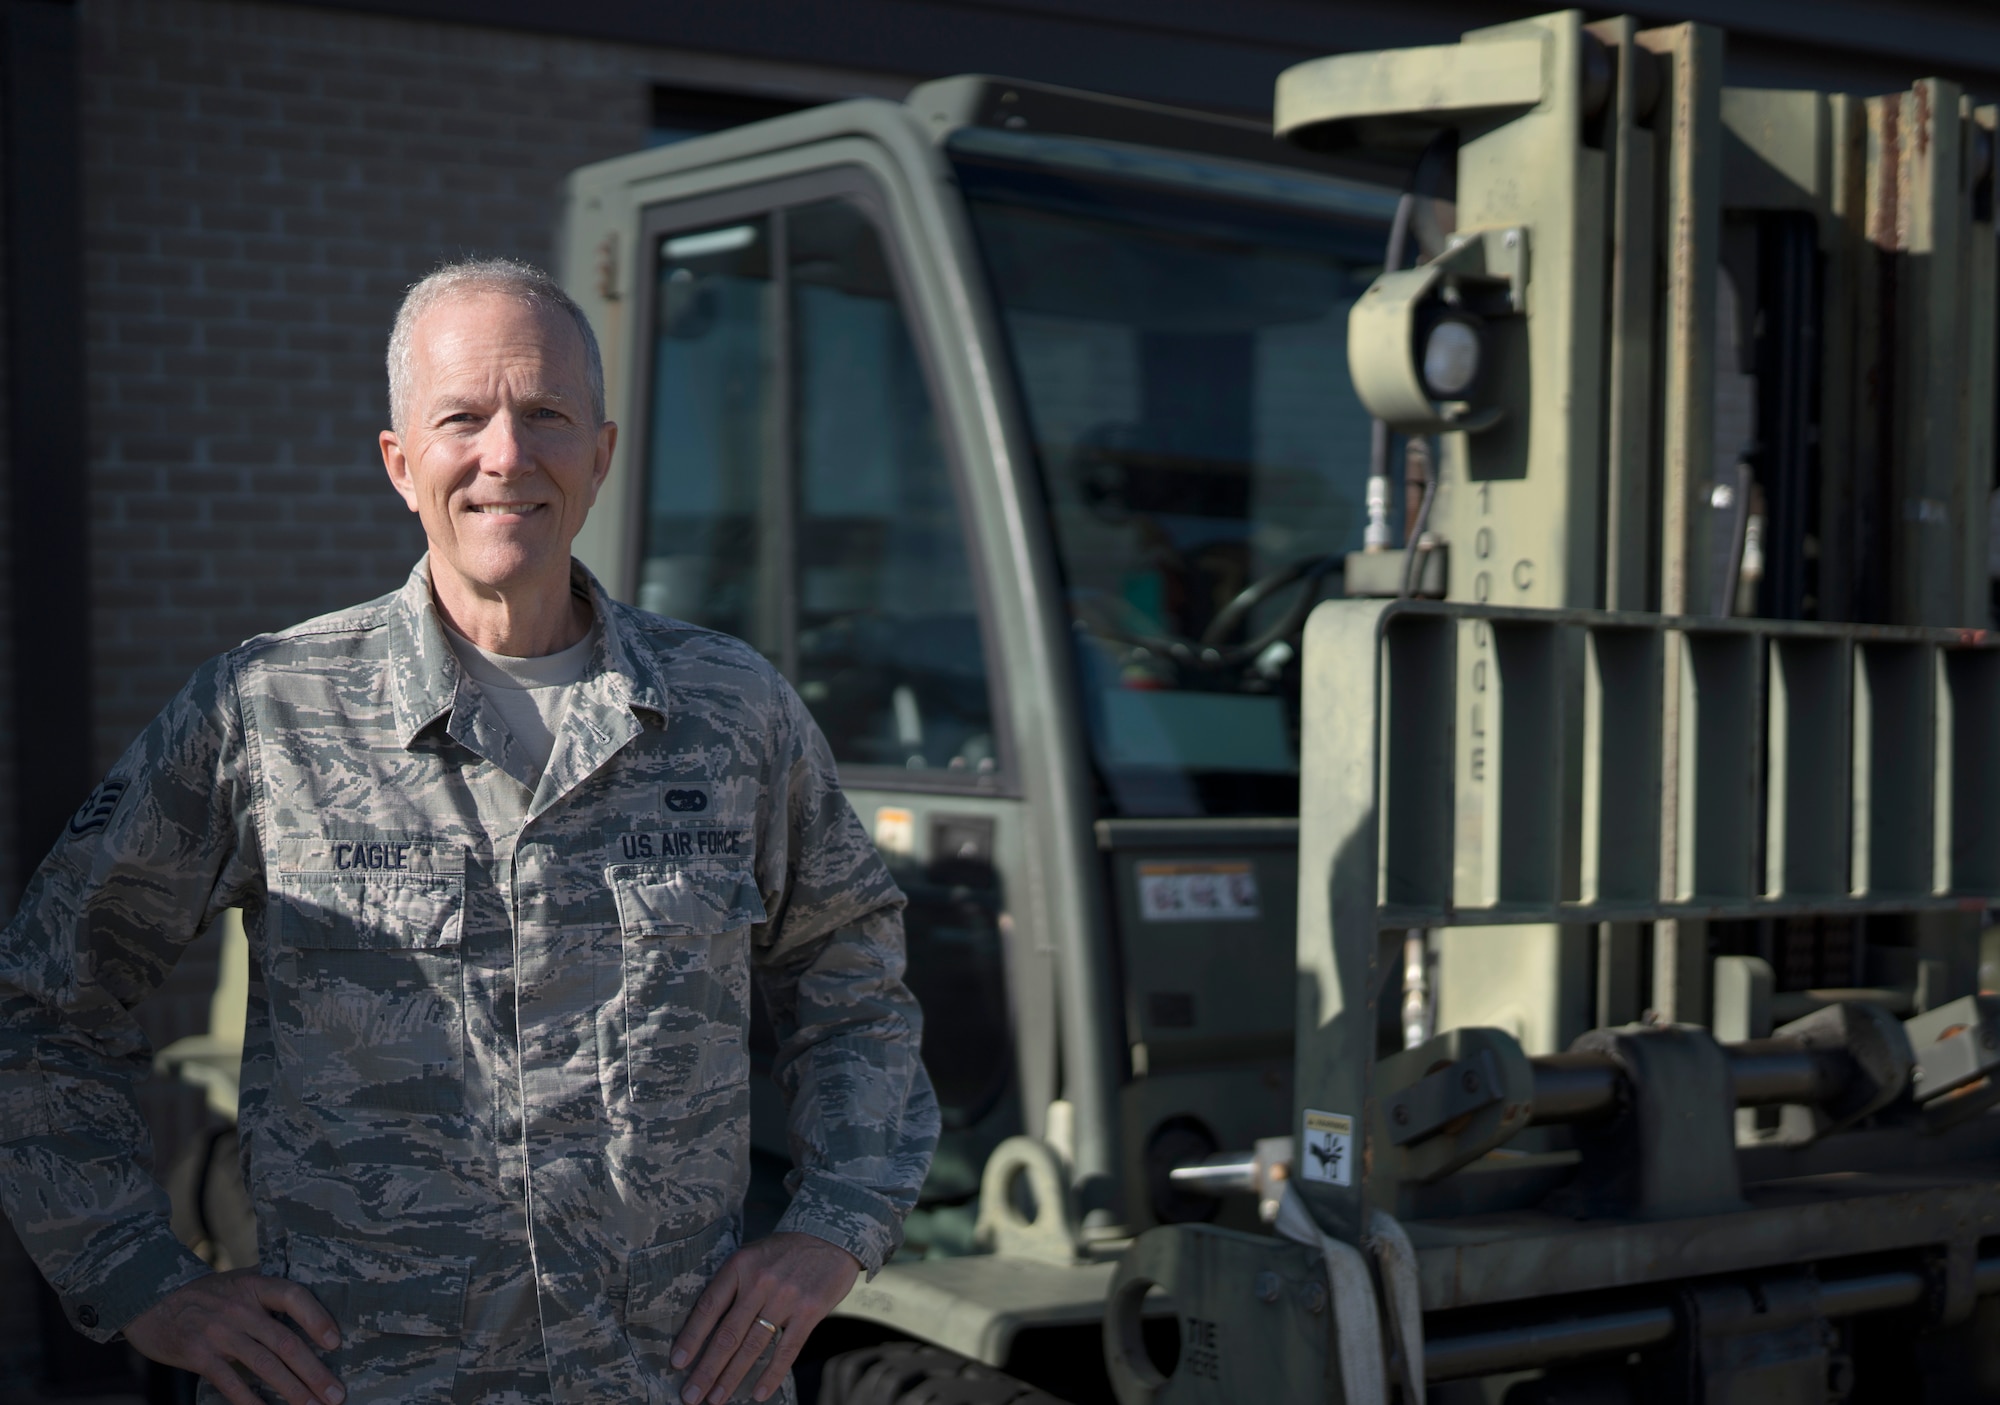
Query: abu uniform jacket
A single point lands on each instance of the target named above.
(495, 1101)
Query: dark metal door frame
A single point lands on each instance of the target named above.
(48, 508)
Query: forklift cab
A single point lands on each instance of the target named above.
(1014, 425)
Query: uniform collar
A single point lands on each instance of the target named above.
(427, 684)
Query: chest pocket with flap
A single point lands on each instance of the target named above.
(686, 980)
(372, 1014)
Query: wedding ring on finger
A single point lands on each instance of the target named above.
(773, 1328)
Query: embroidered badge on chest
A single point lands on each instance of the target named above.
(686, 799)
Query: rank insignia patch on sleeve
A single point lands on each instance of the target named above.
(96, 812)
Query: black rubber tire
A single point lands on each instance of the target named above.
(912, 1373)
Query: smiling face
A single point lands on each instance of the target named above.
(500, 455)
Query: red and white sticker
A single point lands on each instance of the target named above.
(1198, 892)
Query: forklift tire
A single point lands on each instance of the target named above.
(912, 1373)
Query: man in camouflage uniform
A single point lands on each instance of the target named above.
(495, 1103)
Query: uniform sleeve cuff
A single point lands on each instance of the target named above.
(865, 1224)
(141, 1276)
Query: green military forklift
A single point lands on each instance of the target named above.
(1426, 670)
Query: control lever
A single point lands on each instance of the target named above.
(1262, 1172)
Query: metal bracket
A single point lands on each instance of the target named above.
(1874, 1045)
(1451, 1100)
(1753, 1342)
(1380, 574)
(1382, 352)
(1671, 1150)
(1028, 1169)
(1957, 1050)
(1428, 1105)
(1254, 1313)
(1741, 1001)
(1489, 256)
(1951, 1289)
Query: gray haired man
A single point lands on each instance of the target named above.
(511, 857)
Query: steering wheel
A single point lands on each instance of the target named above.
(1307, 571)
(1208, 652)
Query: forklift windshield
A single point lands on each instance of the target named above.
(1179, 334)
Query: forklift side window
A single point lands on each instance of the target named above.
(798, 493)
(709, 537)
(889, 654)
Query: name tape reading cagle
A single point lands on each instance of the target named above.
(375, 857)
(392, 854)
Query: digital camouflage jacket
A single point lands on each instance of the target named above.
(495, 1102)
